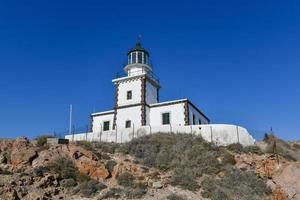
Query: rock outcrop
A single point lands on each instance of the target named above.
(84, 160)
(284, 176)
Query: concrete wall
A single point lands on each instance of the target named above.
(220, 134)
(198, 116)
(176, 114)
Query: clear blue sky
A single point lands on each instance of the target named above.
(239, 61)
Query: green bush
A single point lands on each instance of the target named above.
(82, 177)
(252, 149)
(42, 140)
(107, 147)
(135, 192)
(167, 151)
(175, 197)
(125, 179)
(236, 148)
(100, 149)
(281, 147)
(188, 155)
(64, 167)
(227, 158)
(296, 146)
(66, 183)
(114, 193)
(40, 171)
(110, 165)
(236, 184)
(90, 188)
(184, 178)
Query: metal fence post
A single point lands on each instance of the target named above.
(121, 137)
(116, 133)
(150, 129)
(211, 134)
(132, 130)
(237, 134)
(170, 128)
(73, 129)
(100, 131)
(86, 133)
(191, 129)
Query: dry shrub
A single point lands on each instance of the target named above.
(236, 184)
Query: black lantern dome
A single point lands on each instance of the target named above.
(138, 55)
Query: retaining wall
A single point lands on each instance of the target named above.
(220, 134)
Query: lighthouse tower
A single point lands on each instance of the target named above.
(135, 91)
(137, 107)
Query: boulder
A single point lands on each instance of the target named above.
(288, 178)
(22, 153)
(278, 194)
(86, 162)
(157, 185)
(6, 144)
(23, 156)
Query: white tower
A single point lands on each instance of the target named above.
(135, 91)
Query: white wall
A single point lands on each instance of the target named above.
(220, 134)
(130, 113)
(198, 116)
(98, 122)
(135, 86)
(151, 93)
(176, 114)
(147, 115)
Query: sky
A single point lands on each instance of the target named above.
(237, 60)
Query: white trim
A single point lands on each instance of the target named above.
(128, 77)
(104, 112)
(167, 102)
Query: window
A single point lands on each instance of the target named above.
(106, 126)
(140, 57)
(145, 58)
(129, 59)
(128, 124)
(133, 57)
(165, 118)
(194, 119)
(129, 94)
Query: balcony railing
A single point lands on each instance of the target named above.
(138, 72)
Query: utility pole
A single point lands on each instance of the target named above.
(70, 122)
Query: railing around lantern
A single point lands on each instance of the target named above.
(138, 72)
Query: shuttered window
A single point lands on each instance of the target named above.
(165, 118)
(106, 126)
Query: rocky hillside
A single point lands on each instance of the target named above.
(159, 166)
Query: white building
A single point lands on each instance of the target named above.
(138, 112)
(137, 100)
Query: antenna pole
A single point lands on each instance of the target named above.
(70, 122)
(139, 39)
